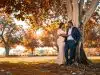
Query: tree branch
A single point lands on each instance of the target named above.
(10, 34)
(69, 9)
(90, 12)
(3, 30)
(81, 4)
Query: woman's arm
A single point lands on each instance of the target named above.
(60, 32)
(63, 35)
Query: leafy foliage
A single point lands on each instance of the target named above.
(8, 32)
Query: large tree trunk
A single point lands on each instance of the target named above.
(77, 19)
(80, 54)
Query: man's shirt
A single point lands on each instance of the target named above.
(69, 34)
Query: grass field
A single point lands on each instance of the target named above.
(50, 59)
(44, 66)
(95, 59)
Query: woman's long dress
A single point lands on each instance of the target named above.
(61, 44)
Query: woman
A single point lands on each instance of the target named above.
(61, 44)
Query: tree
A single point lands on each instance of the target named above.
(29, 40)
(50, 35)
(8, 30)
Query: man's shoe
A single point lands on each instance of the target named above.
(70, 62)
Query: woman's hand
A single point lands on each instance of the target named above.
(63, 35)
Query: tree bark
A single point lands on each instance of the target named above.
(80, 54)
(75, 13)
(7, 50)
(7, 47)
(69, 9)
(32, 49)
(81, 57)
(81, 5)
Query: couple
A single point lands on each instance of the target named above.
(67, 41)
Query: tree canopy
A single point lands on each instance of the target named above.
(42, 9)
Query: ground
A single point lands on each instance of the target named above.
(43, 66)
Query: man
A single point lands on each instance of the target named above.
(71, 42)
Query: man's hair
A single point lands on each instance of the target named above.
(61, 24)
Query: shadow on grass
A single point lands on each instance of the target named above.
(31, 68)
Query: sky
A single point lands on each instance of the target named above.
(21, 23)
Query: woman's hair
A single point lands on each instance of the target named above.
(70, 22)
(61, 24)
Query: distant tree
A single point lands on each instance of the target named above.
(8, 32)
(50, 35)
(29, 40)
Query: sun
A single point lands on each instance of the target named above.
(39, 32)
